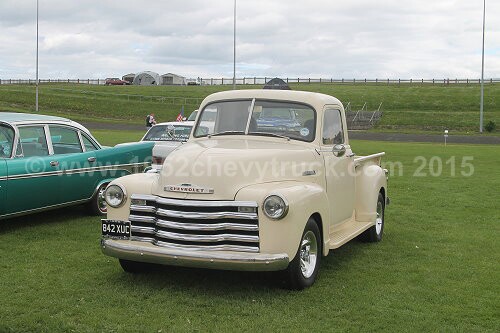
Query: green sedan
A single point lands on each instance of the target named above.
(48, 162)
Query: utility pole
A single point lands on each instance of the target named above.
(36, 83)
(234, 47)
(482, 76)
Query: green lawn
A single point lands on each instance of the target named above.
(421, 107)
(436, 269)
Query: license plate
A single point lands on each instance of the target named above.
(115, 229)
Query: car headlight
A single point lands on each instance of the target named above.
(275, 207)
(115, 195)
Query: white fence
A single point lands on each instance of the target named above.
(263, 80)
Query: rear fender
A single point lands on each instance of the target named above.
(370, 179)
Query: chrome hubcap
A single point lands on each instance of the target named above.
(101, 201)
(379, 221)
(308, 254)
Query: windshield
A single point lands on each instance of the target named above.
(258, 117)
(168, 133)
(6, 141)
(192, 116)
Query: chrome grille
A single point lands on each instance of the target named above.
(195, 224)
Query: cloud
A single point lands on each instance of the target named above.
(372, 39)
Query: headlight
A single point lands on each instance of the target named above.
(275, 207)
(115, 195)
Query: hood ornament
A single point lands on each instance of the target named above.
(188, 188)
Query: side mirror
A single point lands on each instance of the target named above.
(184, 119)
(338, 150)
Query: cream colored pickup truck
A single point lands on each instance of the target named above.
(266, 182)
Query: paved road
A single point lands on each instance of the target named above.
(375, 136)
(357, 135)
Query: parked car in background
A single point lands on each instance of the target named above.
(278, 119)
(167, 137)
(193, 82)
(114, 81)
(192, 116)
(48, 162)
(244, 196)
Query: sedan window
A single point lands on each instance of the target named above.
(33, 141)
(89, 145)
(6, 140)
(65, 140)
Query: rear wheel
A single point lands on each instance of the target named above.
(375, 233)
(303, 269)
(97, 205)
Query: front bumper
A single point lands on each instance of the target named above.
(147, 252)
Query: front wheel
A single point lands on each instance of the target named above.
(303, 269)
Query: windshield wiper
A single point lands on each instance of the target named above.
(226, 133)
(270, 134)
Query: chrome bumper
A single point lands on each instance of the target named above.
(146, 252)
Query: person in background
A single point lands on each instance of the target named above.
(150, 120)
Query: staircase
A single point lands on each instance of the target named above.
(362, 119)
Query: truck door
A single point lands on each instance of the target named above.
(339, 166)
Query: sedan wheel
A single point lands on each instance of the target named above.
(97, 204)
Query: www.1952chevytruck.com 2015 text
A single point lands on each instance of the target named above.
(240, 196)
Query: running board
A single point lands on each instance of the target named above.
(347, 232)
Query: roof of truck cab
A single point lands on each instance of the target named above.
(311, 98)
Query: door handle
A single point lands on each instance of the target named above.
(91, 159)
(54, 163)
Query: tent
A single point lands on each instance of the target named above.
(147, 78)
(276, 83)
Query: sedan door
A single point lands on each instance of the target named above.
(33, 175)
(79, 176)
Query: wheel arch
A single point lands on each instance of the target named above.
(319, 221)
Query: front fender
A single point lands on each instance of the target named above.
(139, 183)
(304, 199)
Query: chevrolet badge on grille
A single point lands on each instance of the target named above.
(188, 188)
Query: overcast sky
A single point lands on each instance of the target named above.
(286, 38)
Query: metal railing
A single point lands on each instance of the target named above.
(263, 80)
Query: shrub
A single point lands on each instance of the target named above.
(490, 126)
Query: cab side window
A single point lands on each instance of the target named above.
(33, 141)
(332, 127)
(65, 140)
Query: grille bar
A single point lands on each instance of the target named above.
(206, 216)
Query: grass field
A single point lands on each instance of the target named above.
(405, 107)
(437, 269)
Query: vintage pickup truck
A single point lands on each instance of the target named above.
(244, 197)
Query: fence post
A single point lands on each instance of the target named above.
(223, 81)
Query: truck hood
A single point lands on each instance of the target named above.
(217, 168)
